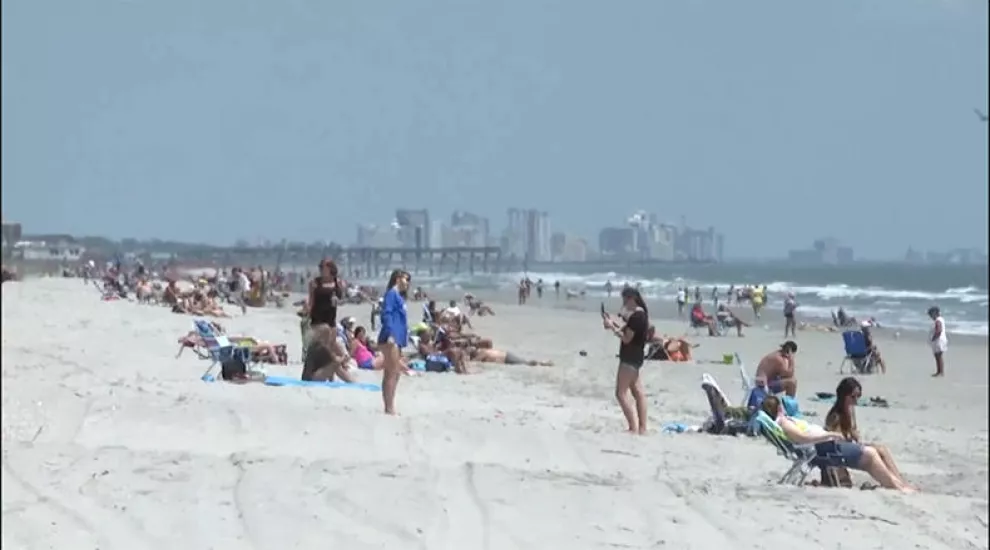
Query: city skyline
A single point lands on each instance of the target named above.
(528, 233)
(312, 120)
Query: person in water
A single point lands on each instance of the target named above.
(854, 455)
(632, 348)
(394, 335)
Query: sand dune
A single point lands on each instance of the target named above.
(110, 442)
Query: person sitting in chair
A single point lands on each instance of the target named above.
(866, 327)
(700, 320)
(727, 318)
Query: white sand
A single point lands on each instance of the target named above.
(110, 442)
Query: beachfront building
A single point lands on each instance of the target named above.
(647, 238)
(568, 248)
(467, 229)
(413, 228)
(376, 236)
(527, 235)
(616, 241)
(695, 245)
(58, 249)
(827, 251)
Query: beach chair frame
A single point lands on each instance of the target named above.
(857, 355)
(803, 458)
(219, 347)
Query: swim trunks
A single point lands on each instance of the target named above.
(513, 359)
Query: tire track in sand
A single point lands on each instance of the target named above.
(467, 518)
(122, 537)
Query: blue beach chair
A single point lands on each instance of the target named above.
(219, 347)
(858, 354)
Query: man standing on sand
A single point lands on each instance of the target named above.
(776, 370)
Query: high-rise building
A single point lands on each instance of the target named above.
(469, 229)
(414, 228)
(514, 240)
(528, 235)
(543, 237)
(377, 236)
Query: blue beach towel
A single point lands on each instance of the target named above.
(288, 381)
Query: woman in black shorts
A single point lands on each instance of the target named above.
(632, 334)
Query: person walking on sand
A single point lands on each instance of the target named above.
(938, 340)
(394, 335)
(632, 335)
(790, 325)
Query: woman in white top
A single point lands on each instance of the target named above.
(938, 340)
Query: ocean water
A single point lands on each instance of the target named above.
(897, 295)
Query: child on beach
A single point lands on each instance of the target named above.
(938, 340)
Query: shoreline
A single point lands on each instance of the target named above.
(771, 320)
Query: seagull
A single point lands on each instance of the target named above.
(979, 113)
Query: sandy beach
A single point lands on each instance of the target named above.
(110, 442)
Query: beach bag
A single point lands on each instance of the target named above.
(233, 368)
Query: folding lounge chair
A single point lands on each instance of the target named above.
(698, 326)
(219, 347)
(723, 421)
(858, 354)
(803, 458)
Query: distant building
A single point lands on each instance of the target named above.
(652, 239)
(61, 248)
(613, 241)
(413, 228)
(467, 229)
(377, 236)
(568, 248)
(823, 252)
(514, 239)
(527, 235)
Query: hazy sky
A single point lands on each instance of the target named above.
(777, 122)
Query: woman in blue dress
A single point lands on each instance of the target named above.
(394, 335)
